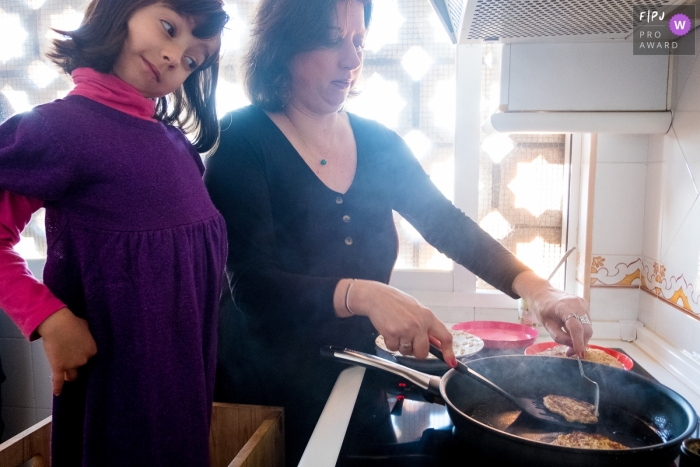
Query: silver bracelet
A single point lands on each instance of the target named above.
(583, 319)
(347, 297)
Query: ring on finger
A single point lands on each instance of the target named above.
(406, 346)
(583, 319)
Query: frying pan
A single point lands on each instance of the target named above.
(649, 418)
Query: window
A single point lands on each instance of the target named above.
(408, 84)
(515, 186)
(522, 183)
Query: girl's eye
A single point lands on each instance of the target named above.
(191, 63)
(168, 28)
(360, 46)
(334, 41)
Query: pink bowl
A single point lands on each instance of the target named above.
(499, 334)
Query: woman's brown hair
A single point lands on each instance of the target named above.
(281, 30)
(98, 42)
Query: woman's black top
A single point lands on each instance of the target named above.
(291, 239)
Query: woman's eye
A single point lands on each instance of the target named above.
(168, 28)
(191, 63)
(360, 46)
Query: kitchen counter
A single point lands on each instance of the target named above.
(325, 443)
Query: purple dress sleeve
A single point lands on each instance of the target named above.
(33, 168)
(33, 161)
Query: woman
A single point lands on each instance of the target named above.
(307, 192)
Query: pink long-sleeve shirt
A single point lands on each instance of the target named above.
(27, 301)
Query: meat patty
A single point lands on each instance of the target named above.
(591, 355)
(556, 351)
(598, 356)
(579, 439)
(573, 410)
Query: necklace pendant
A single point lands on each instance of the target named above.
(323, 162)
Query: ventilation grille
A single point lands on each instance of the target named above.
(523, 19)
(455, 9)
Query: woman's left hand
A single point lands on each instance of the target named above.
(563, 315)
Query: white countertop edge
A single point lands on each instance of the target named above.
(324, 446)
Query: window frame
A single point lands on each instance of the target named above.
(457, 288)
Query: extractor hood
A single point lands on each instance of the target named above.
(505, 21)
(568, 65)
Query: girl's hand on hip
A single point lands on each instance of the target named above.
(405, 323)
(68, 344)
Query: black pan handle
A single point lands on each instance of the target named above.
(435, 350)
(426, 382)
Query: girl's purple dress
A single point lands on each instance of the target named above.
(136, 248)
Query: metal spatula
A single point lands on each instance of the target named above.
(529, 406)
(596, 389)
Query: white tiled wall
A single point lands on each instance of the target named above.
(614, 304)
(453, 314)
(460, 314)
(672, 213)
(647, 203)
(647, 310)
(618, 219)
(496, 314)
(26, 393)
(651, 241)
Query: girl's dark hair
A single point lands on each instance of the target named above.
(98, 42)
(281, 30)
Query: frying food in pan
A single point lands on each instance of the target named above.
(573, 410)
(579, 439)
(647, 417)
(591, 355)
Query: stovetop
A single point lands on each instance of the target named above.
(393, 424)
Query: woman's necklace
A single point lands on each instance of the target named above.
(322, 160)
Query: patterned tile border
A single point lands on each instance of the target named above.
(648, 275)
(616, 271)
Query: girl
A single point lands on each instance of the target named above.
(135, 248)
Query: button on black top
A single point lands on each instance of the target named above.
(346, 218)
(339, 199)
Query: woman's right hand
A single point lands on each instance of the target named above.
(68, 344)
(404, 322)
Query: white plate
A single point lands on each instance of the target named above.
(463, 343)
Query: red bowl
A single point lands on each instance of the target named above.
(627, 362)
(499, 334)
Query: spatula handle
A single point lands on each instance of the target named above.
(465, 370)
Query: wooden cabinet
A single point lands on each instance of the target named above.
(241, 436)
(31, 444)
(251, 435)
